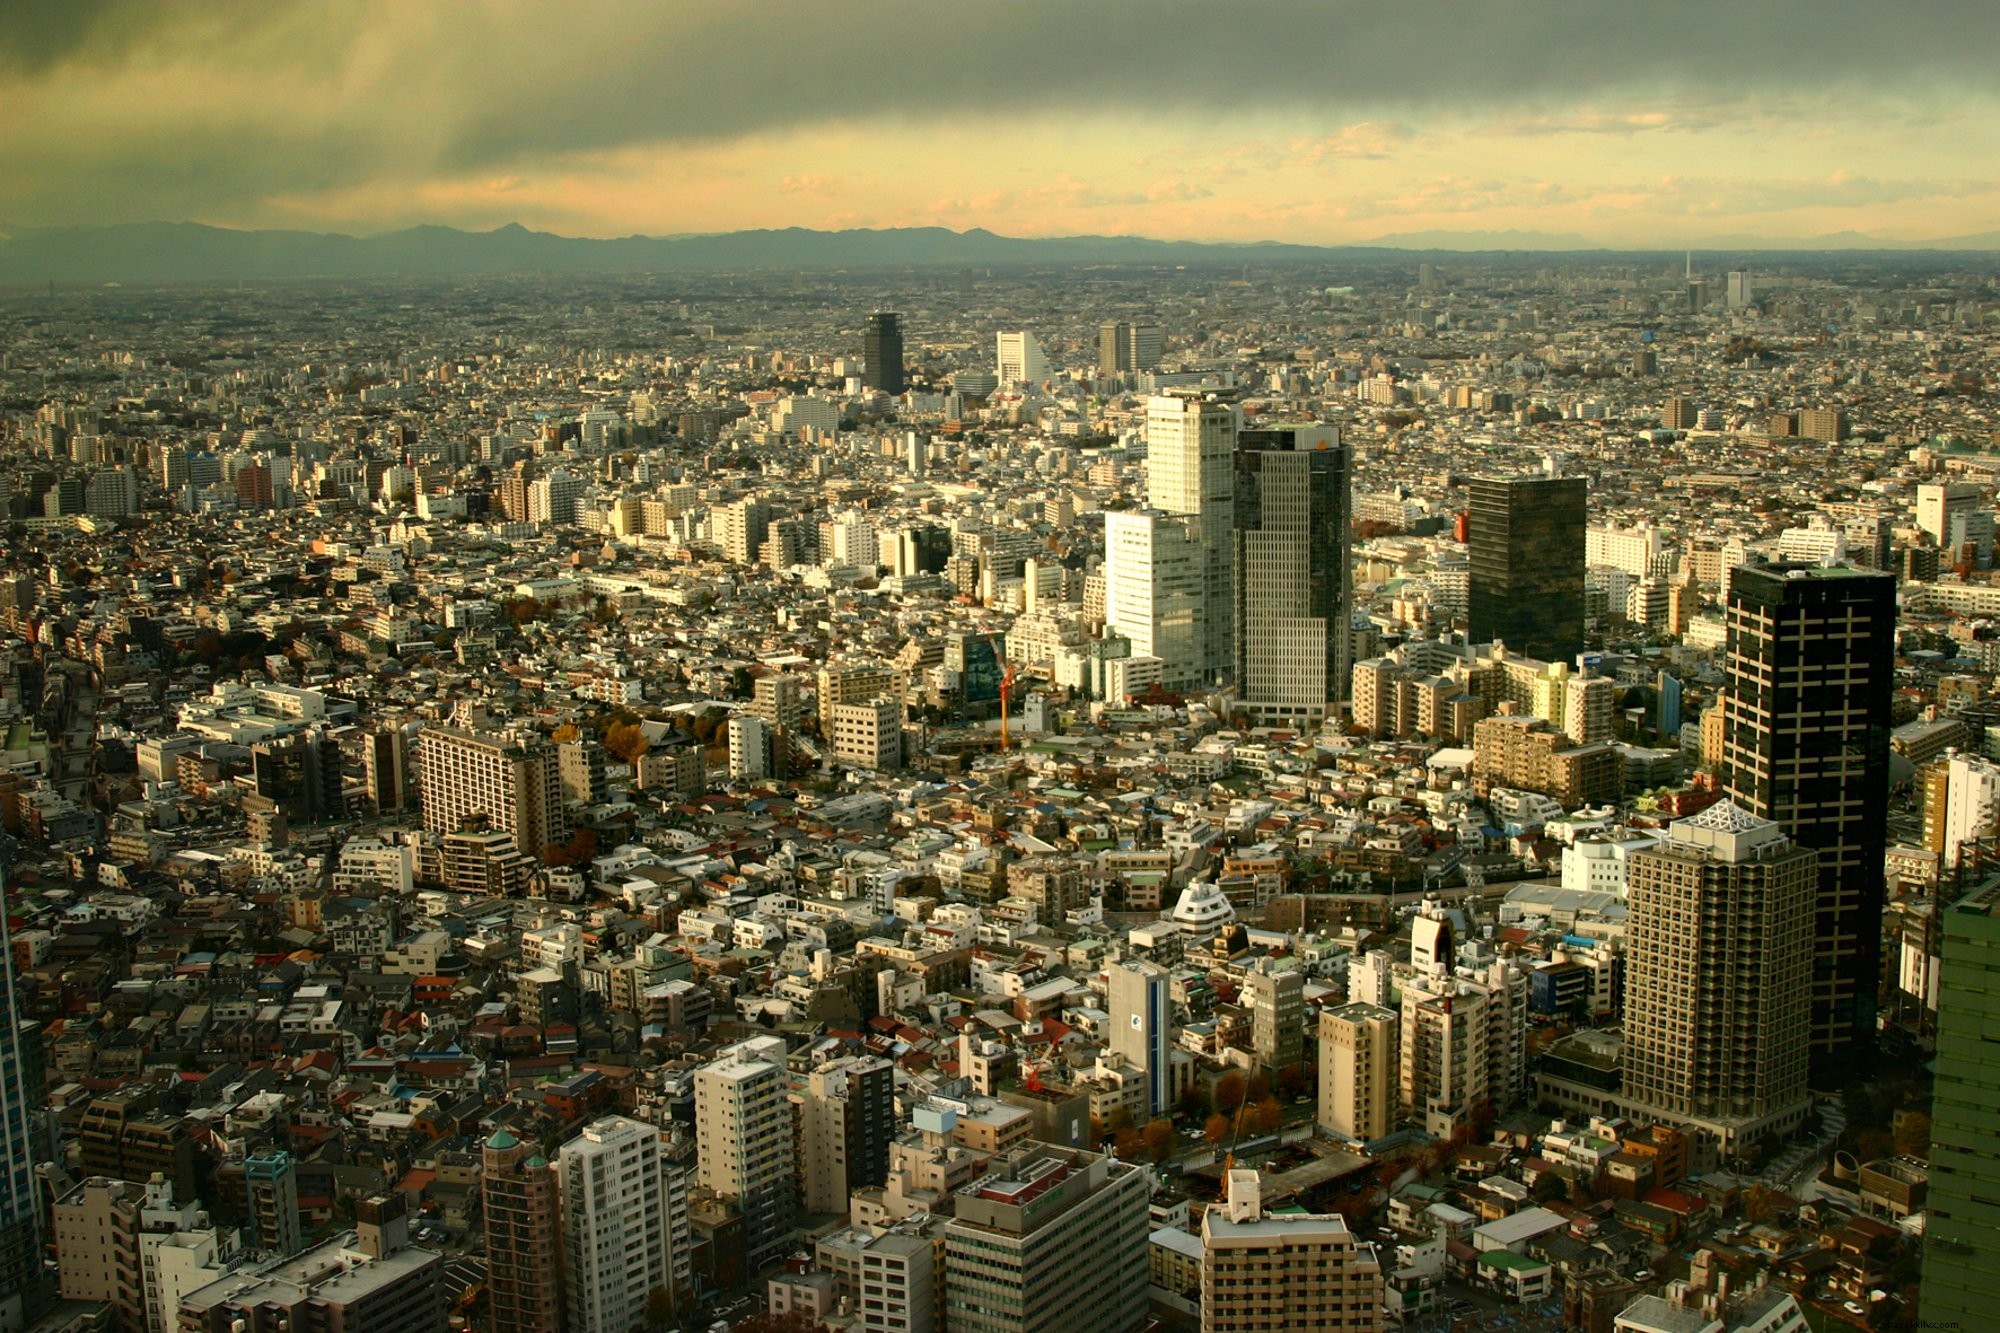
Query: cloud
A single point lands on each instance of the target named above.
(246, 110)
(1364, 139)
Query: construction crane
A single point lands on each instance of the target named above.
(1235, 1134)
(1006, 684)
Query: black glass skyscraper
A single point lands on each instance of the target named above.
(1811, 661)
(1292, 590)
(1525, 557)
(882, 352)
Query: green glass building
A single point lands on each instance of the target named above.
(1961, 1282)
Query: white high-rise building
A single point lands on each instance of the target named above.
(1191, 472)
(1020, 359)
(1142, 1026)
(1938, 502)
(1971, 804)
(1635, 550)
(743, 1141)
(625, 1224)
(749, 749)
(1155, 592)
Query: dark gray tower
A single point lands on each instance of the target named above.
(882, 351)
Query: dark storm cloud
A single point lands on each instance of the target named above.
(358, 92)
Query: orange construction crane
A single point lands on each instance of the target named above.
(1006, 684)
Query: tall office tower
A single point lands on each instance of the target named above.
(624, 1225)
(1525, 547)
(1939, 502)
(882, 353)
(1122, 347)
(743, 1141)
(1266, 1271)
(515, 781)
(1293, 594)
(1277, 1004)
(1051, 1240)
(1740, 291)
(1191, 471)
(847, 1118)
(1142, 1027)
(271, 1182)
(1357, 1071)
(1961, 1284)
(385, 759)
(1019, 359)
(1811, 656)
(519, 1192)
(1156, 593)
(1717, 1006)
(21, 1100)
(740, 528)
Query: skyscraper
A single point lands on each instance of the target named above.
(515, 781)
(882, 353)
(1293, 595)
(518, 1192)
(624, 1224)
(1135, 995)
(1191, 472)
(1124, 347)
(1156, 592)
(1525, 550)
(1961, 1285)
(21, 1098)
(1811, 654)
(1717, 1008)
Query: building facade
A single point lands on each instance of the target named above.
(1293, 595)
(1525, 546)
(1810, 670)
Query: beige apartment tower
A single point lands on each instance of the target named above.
(1358, 1071)
(515, 781)
(1717, 993)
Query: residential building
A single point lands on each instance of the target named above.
(847, 1118)
(1358, 1070)
(514, 781)
(1136, 997)
(743, 1141)
(1191, 473)
(1719, 956)
(1262, 1272)
(519, 1193)
(625, 1231)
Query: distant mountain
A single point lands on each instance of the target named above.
(185, 251)
(1487, 240)
(189, 251)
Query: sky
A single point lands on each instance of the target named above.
(1622, 122)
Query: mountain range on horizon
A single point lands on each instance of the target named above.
(190, 251)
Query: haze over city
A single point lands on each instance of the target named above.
(1569, 124)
